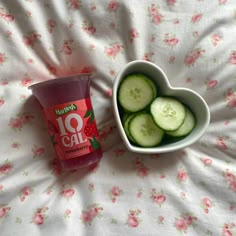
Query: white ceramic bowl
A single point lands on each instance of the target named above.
(192, 99)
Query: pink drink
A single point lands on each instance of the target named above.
(68, 111)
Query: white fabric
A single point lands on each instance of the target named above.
(192, 191)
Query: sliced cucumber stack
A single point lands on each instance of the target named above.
(147, 118)
(144, 131)
(186, 127)
(135, 93)
(126, 126)
(168, 113)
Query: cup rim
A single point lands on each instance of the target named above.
(61, 79)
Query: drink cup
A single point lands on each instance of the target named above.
(70, 119)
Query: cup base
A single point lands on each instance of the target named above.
(81, 162)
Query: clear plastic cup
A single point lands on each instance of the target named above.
(68, 111)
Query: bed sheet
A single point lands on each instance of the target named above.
(187, 192)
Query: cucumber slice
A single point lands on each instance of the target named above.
(168, 113)
(135, 93)
(186, 127)
(124, 117)
(144, 131)
(154, 87)
(126, 127)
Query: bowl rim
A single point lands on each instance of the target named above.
(158, 149)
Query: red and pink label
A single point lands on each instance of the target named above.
(72, 128)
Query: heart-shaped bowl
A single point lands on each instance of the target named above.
(187, 96)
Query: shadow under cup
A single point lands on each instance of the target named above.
(71, 123)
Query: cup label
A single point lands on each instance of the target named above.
(72, 128)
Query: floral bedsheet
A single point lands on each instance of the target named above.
(191, 191)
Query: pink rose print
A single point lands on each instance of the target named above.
(16, 123)
(171, 2)
(139, 193)
(28, 13)
(87, 70)
(161, 219)
(230, 178)
(133, 34)
(183, 195)
(93, 7)
(172, 59)
(105, 132)
(74, 4)
(91, 187)
(226, 122)
(176, 21)
(207, 161)
(229, 229)
(67, 213)
(55, 167)
(1, 187)
(221, 142)
(93, 211)
(52, 69)
(51, 25)
(2, 101)
(71, 24)
(232, 58)
(171, 40)
(182, 175)
(68, 193)
(113, 50)
(6, 168)
(67, 47)
(206, 204)
(8, 34)
(230, 97)
(222, 1)
(91, 47)
(113, 25)
(158, 198)
(30, 61)
(114, 193)
(142, 170)
(153, 38)
(112, 72)
(25, 192)
(148, 56)
(3, 58)
(133, 218)
(196, 17)
(215, 39)
(113, 6)
(88, 28)
(40, 216)
(195, 33)
(184, 222)
(26, 81)
(193, 56)
(232, 185)
(4, 211)
(232, 206)
(37, 151)
(212, 83)
(7, 17)
(3, 82)
(119, 152)
(154, 14)
(93, 168)
(31, 38)
(108, 93)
